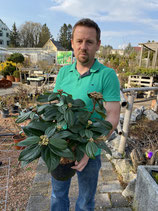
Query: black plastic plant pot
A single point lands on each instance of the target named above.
(5, 113)
(15, 109)
(64, 172)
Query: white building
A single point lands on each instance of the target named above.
(4, 35)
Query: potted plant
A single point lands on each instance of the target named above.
(9, 72)
(61, 130)
(17, 138)
(16, 75)
(4, 109)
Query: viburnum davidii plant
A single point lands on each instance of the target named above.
(61, 129)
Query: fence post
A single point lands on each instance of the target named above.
(126, 123)
(156, 104)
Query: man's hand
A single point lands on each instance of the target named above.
(79, 166)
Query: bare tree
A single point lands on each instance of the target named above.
(29, 34)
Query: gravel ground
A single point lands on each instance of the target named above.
(20, 180)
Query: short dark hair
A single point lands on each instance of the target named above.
(88, 23)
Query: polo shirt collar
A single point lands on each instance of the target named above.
(95, 67)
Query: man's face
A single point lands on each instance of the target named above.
(84, 44)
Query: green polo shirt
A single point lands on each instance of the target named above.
(100, 79)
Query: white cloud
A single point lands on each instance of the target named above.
(123, 46)
(120, 33)
(105, 10)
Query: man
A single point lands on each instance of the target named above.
(84, 76)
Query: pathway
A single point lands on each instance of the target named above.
(108, 197)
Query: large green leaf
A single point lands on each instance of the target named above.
(62, 108)
(39, 125)
(82, 147)
(51, 160)
(102, 145)
(23, 117)
(82, 133)
(59, 143)
(62, 134)
(91, 149)
(79, 154)
(76, 128)
(32, 132)
(25, 163)
(50, 130)
(79, 103)
(29, 141)
(100, 112)
(100, 130)
(53, 96)
(67, 153)
(84, 116)
(88, 133)
(32, 152)
(106, 124)
(69, 117)
(50, 113)
(41, 108)
(59, 117)
(69, 99)
(34, 116)
(43, 98)
(81, 139)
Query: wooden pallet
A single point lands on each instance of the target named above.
(140, 81)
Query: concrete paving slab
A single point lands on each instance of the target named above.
(102, 201)
(120, 209)
(118, 200)
(111, 187)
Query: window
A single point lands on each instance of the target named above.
(1, 33)
(7, 34)
(1, 42)
(7, 42)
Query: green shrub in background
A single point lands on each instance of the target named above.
(16, 74)
(145, 71)
(16, 57)
(8, 70)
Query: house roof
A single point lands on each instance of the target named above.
(137, 48)
(58, 45)
(4, 24)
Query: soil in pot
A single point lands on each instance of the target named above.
(17, 139)
(64, 172)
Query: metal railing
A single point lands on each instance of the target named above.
(128, 112)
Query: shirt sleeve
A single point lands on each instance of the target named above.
(111, 88)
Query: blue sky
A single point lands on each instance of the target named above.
(121, 21)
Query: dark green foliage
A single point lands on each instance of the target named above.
(44, 35)
(8, 70)
(16, 74)
(14, 37)
(16, 57)
(63, 128)
(65, 36)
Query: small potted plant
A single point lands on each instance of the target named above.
(18, 135)
(3, 107)
(16, 75)
(61, 130)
